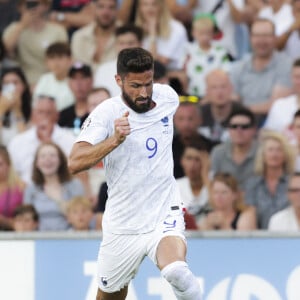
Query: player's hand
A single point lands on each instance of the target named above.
(122, 127)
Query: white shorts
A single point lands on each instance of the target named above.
(120, 255)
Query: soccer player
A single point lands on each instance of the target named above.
(143, 215)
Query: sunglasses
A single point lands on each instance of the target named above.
(240, 126)
(190, 99)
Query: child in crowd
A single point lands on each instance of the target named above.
(55, 82)
(26, 218)
(80, 213)
(201, 55)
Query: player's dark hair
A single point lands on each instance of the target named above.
(243, 111)
(134, 60)
(58, 49)
(130, 28)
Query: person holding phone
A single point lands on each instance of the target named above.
(15, 103)
(27, 39)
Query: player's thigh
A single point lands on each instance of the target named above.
(168, 243)
(170, 249)
(118, 261)
(121, 295)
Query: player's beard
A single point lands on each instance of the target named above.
(139, 108)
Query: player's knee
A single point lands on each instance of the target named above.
(182, 280)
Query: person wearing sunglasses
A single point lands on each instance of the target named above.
(288, 219)
(236, 155)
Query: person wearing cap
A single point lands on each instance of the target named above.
(94, 43)
(202, 56)
(81, 83)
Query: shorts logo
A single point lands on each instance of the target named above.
(104, 281)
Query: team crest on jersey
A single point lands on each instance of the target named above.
(165, 122)
(86, 123)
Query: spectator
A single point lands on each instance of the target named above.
(202, 56)
(15, 103)
(97, 96)
(11, 194)
(192, 186)
(187, 120)
(72, 14)
(55, 83)
(26, 218)
(79, 213)
(81, 82)
(266, 190)
(28, 38)
(24, 145)
(288, 219)
(52, 187)
(264, 75)
(164, 36)
(280, 13)
(94, 43)
(236, 156)
(290, 39)
(219, 106)
(228, 209)
(127, 36)
(282, 110)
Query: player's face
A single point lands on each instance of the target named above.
(137, 90)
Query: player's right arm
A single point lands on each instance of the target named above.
(85, 155)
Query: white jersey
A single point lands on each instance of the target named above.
(139, 172)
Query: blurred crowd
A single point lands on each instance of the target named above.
(235, 65)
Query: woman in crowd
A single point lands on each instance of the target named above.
(52, 187)
(165, 37)
(11, 190)
(266, 191)
(15, 103)
(228, 209)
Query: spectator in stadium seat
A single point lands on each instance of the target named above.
(79, 213)
(97, 96)
(94, 43)
(127, 36)
(26, 218)
(202, 56)
(293, 133)
(282, 110)
(15, 103)
(164, 36)
(23, 146)
(218, 107)
(264, 75)
(81, 83)
(55, 83)
(288, 219)
(236, 155)
(52, 187)
(11, 194)
(193, 186)
(187, 120)
(229, 211)
(28, 39)
(266, 189)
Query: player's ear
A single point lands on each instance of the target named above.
(119, 80)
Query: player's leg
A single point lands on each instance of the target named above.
(121, 295)
(170, 256)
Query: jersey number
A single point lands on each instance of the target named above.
(151, 145)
